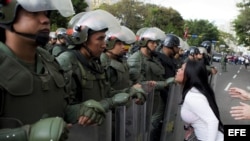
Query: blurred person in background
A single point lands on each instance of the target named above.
(61, 44)
(167, 53)
(223, 62)
(52, 41)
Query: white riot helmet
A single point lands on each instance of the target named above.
(84, 23)
(202, 50)
(125, 35)
(52, 35)
(151, 34)
(9, 11)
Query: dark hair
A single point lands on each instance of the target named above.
(196, 75)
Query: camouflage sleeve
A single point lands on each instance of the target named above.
(68, 63)
(135, 68)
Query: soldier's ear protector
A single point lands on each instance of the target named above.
(143, 42)
(110, 42)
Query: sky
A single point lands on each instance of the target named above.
(220, 12)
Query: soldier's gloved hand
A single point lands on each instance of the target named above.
(91, 112)
(163, 84)
(170, 80)
(47, 129)
(139, 94)
(119, 99)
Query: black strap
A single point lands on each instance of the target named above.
(81, 58)
(63, 49)
(85, 62)
(1, 100)
(78, 95)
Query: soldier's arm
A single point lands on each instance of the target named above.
(135, 68)
(93, 112)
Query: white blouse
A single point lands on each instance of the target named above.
(197, 112)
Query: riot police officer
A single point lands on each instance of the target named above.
(32, 89)
(208, 46)
(193, 53)
(83, 60)
(52, 41)
(135, 46)
(170, 48)
(144, 65)
(114, 61)
(223, 62)
(61, 42)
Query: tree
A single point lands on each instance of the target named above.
(136, 15)
(201, 30)
(242, 26)
(130, 13)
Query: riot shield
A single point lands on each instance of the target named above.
(133, 121)
(144, 114)
(120, 123)
(212, 80)
(126, 122)
(92, 133)
(149, 111)
(172, 129)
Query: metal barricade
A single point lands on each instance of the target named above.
(92, 133)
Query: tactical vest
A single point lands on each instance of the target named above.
(28, 96)
(147, 68)
(58, 49)
(117, 72)
(93, 85)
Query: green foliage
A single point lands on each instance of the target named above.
(201, 30)
(136, 15)
(242, 26)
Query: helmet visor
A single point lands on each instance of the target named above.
(98, 20)
(125, 35)
(65, 7)
(154, 34)
(75, 19)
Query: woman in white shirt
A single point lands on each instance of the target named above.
(199, 109)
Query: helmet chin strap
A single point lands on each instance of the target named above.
(90, 52)
(173, 52)
(40, 38)
(115, 55)
(151, 52)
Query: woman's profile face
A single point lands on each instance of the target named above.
(179, 77)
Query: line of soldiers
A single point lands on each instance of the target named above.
(84, 76)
